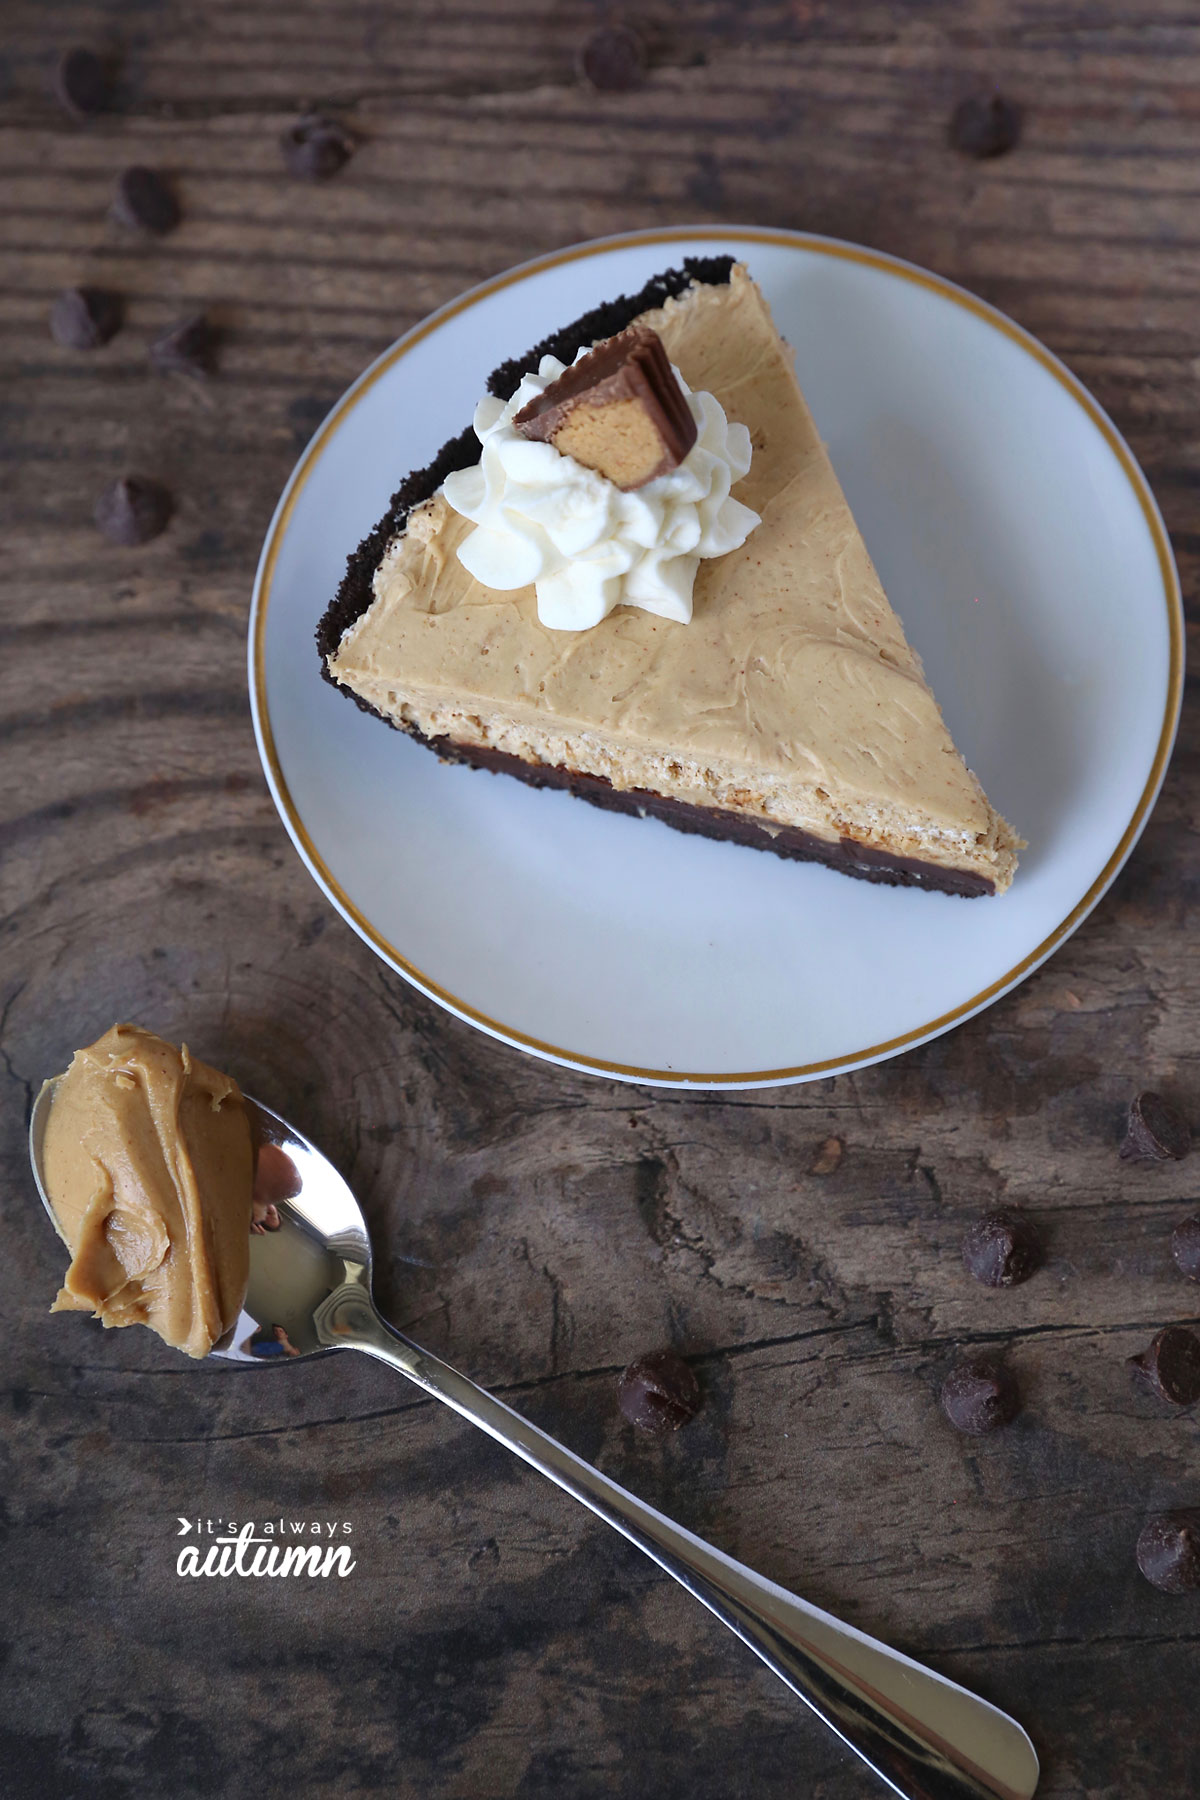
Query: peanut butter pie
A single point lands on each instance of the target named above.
(635, 576)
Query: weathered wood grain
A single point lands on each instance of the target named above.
(542, 1227)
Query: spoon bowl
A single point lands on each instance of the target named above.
(319, 1247)
(309, 1292)
(319, 1250)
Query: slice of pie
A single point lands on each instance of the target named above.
(789, 713)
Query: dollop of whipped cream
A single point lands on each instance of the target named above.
(585, 545)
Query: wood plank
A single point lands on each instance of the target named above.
(538, 1226)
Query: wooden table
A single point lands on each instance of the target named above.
(542, 1227)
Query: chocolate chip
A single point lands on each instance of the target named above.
(1170, 1368)
(1155, 1131)
(81, 83)
(316, 147)
(613, 59)
(187, 348)
(1185, 1247)
(1002, 1249)
(84, 318)
(1168, 1551)
(985, 125)
(144, 200)
(980, 1394)
(132, 510)
(659, 1393)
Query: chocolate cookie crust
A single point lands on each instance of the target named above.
(791, 841)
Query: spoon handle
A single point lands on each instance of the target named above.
(927, 1738)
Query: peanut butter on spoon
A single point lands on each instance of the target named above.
(149, 1169)
(310, 1293)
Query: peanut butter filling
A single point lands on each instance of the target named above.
(148, 1161)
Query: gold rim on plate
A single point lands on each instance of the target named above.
(737, 234)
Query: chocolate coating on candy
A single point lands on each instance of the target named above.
(1185, 1247)
(1155, 1132)
(1002, 1249)
(980, 1394)
(1170, 1367)
(619, 410)
(659, 1393)
(1168, 1551)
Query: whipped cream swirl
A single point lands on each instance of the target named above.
(586, 546)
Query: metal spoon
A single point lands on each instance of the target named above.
(310, 1292)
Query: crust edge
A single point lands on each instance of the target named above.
(356, 592)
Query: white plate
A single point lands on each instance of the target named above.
(1017, 539)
